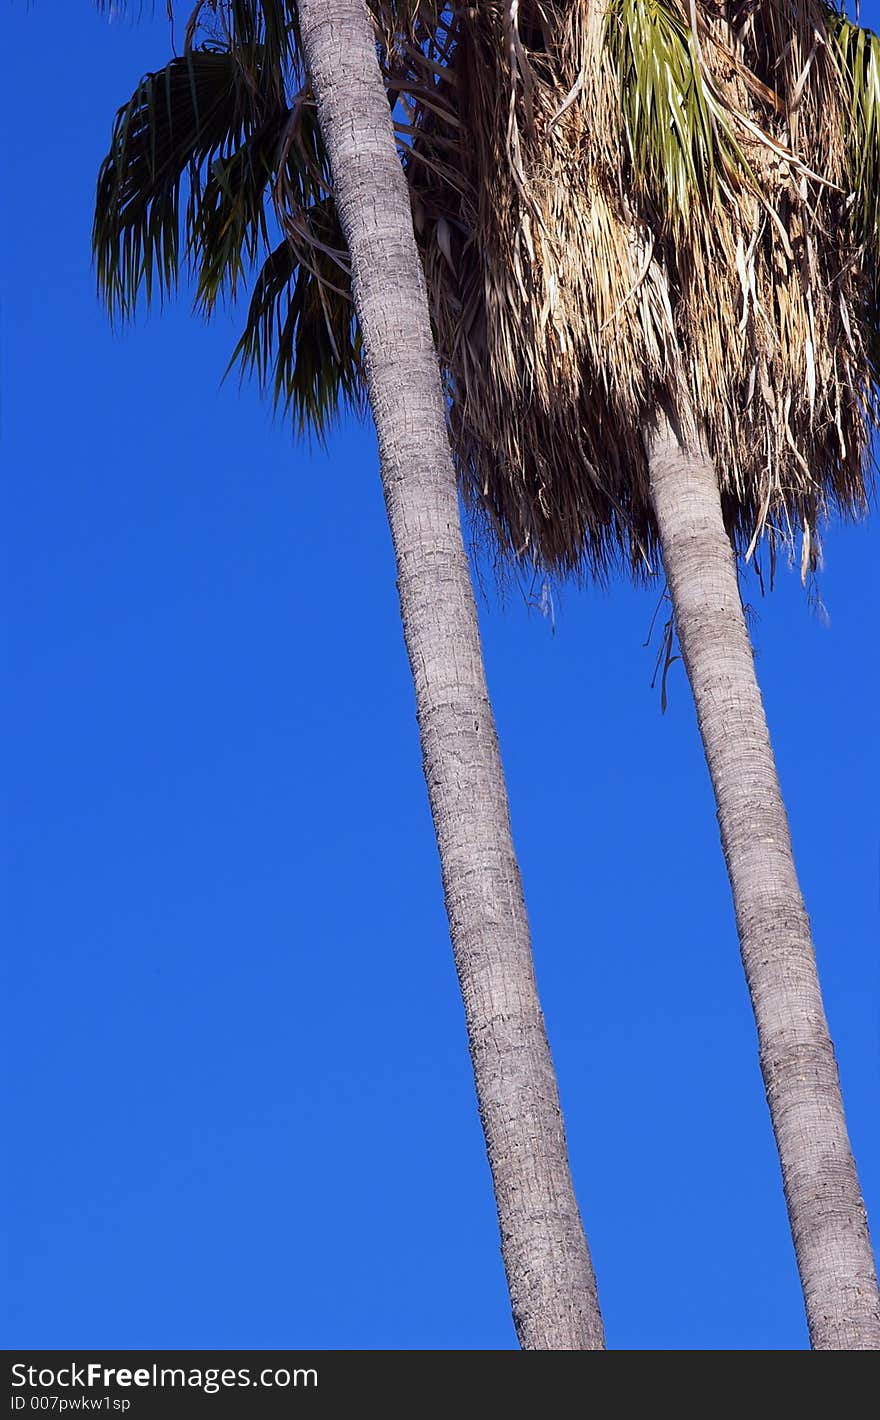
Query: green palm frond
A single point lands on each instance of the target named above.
(301, 339)
(232, 228)
(195, 144)
(859, 53)
(268, 28)
(242, 25)
(677, 131)
(209, 164)
(196, 111)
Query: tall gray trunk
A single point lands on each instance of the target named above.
(819, 1177)
(549, 1273)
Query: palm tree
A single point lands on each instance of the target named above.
(210, 155)
(651, 233)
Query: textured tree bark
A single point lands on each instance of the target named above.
(549, 1272)
(819, 1177)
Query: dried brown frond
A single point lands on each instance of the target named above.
(635, 202)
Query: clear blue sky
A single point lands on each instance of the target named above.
(241, 1111)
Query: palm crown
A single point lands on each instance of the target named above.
(660, 201)
(652, 200)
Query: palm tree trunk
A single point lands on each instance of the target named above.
(550, 1276)
(819, 1177)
